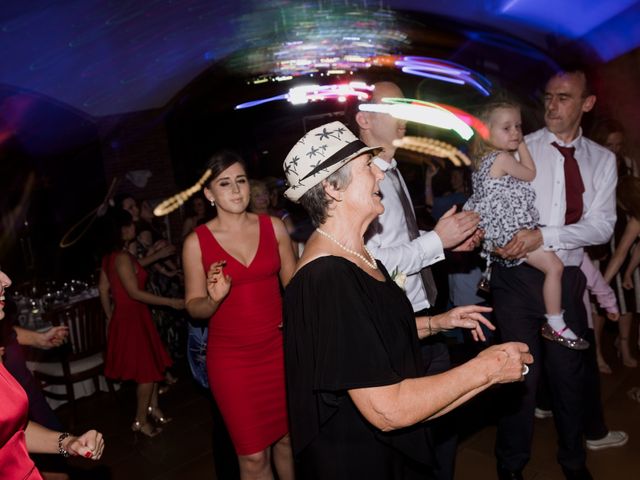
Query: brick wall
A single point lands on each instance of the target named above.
(138, 141)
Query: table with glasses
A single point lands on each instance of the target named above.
(32, 304)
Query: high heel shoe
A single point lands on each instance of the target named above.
(156, 415)
(145, 429)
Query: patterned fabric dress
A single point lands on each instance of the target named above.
(505, 205)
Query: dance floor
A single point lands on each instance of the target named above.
(184, 449)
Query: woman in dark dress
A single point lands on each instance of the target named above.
(355, 379)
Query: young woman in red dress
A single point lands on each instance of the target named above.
(234, 266)
(134, 349)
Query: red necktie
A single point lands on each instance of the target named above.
(573, 186)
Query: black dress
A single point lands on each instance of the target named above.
(343, 330)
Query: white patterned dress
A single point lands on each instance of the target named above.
(505, 205)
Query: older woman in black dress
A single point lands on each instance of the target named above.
(357, 392)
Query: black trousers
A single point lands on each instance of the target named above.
(519, 314)
(594, 425)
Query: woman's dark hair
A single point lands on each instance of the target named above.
(628, 194)
(222, 160)
(603, 128)
(316, 201)
(117, 219)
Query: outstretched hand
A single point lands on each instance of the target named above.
(469, 317)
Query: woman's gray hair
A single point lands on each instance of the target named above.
(316, 201)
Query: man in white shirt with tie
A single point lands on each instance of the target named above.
(394, 239)
(575, 195)
(388, 237)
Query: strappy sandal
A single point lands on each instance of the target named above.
(156, 415)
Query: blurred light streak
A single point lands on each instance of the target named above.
(303, 94)
(417, 111)
(444, 71)
(432, 147)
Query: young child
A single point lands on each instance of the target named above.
(504, 198)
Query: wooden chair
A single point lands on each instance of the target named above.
(79, 359)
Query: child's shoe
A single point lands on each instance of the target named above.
(575, 344)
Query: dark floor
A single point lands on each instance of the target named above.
(184, 449)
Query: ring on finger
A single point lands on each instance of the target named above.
(525, 369)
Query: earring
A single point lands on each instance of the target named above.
(213, 203)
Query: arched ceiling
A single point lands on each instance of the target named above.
(108, 57)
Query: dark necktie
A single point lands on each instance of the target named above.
(573, 186)
(412, 228)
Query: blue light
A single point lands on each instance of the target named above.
(260, 102)
(573, 18)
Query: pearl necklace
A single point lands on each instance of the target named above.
(370, 263)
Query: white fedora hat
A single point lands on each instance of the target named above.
(318, 154)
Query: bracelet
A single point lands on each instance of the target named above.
(61, 449)
(429, 324)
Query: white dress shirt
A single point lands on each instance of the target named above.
(599, 175)
(388, 239)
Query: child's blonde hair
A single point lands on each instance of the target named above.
(482, 146)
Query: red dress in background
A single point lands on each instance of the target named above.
(134, 349)
(14, 458)
(245, 363)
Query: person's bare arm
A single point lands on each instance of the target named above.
(40, 439)
(631, 232)
(506, 164)
(469, 317)
(54, 337)
(627, 279)
(127, 275)
(105, 299)
(287, 257)
(204, 292)
(417, 399)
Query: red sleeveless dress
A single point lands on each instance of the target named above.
(134, 348)
(14, 459)
(245, 361)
